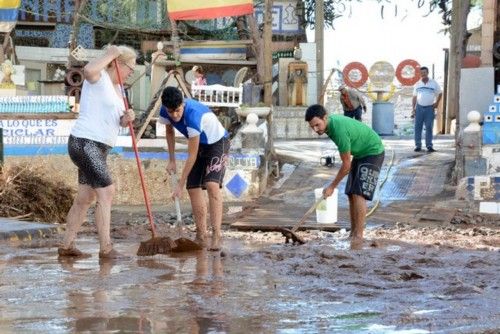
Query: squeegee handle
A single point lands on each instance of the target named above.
(311, 209)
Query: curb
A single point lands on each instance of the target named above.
(30, 234)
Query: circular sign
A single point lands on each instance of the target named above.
(355, 74)
(408, 72)
(381, 74)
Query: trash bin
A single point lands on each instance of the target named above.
(383, 118)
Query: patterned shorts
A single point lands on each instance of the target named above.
(210, 165)
(90, 158)
(363, 176)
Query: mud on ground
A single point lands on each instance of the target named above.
(431, 277)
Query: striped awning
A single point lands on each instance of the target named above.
(8, 14)
(205, 10)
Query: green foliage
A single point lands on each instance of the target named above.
(135, 15)
(333, 10)
(338, 8)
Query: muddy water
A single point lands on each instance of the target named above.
(321, 287)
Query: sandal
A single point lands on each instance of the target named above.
(72, 252)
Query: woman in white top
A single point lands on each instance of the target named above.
(92, 137)
(199, 75)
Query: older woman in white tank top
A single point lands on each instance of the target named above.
(93, 136)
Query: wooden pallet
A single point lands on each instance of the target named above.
(269, 219)
(436, 215)
(270, 226)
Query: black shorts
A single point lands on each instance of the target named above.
(210, 164)
(363, 176)
(90, 158)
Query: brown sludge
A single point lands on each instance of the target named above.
(186, 245)
(156, 245)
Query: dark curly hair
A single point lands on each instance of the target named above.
(171, 98)
(315, 110)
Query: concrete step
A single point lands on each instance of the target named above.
(14, 230)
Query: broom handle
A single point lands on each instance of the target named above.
(178, 210)
(177, 204)
(136, 152)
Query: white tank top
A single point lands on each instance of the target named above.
(100, 111)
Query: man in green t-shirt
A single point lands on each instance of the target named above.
(357, 141)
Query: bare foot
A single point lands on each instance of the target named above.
(112, 254)
(356, 243)
(201, 240)
(216, 243)
(72, 252)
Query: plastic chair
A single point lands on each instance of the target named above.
(240, 75)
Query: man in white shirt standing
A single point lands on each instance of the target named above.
(426, 96)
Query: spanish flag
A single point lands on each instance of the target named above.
(205, 10)
(8, 14)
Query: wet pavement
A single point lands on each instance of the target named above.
(261, 285)
(410, 175)
(418, 179)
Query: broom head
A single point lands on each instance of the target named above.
(156, 245)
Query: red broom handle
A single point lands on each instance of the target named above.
(136, 152)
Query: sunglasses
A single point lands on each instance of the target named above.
(129, 67)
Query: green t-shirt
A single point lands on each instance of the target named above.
(353, 136)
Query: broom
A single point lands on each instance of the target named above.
(155, 245)
(182, 244)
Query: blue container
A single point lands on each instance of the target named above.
(383, 118)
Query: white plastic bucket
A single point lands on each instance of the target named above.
(326, 212)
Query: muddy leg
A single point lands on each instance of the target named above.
(199, 208)
(76, 215)
(357, 220)
(215, 204)
(103, 217)
(351, 212)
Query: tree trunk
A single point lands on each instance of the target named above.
(268, 53)
(176, 43)
(75, 29)
(458, 43)
(241, 27)
(268, 75)
(257, 47)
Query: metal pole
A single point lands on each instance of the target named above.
(444, 116)
(1, 147)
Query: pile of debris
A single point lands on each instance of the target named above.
(28, 193)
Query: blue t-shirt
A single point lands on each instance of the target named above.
(197, 120)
